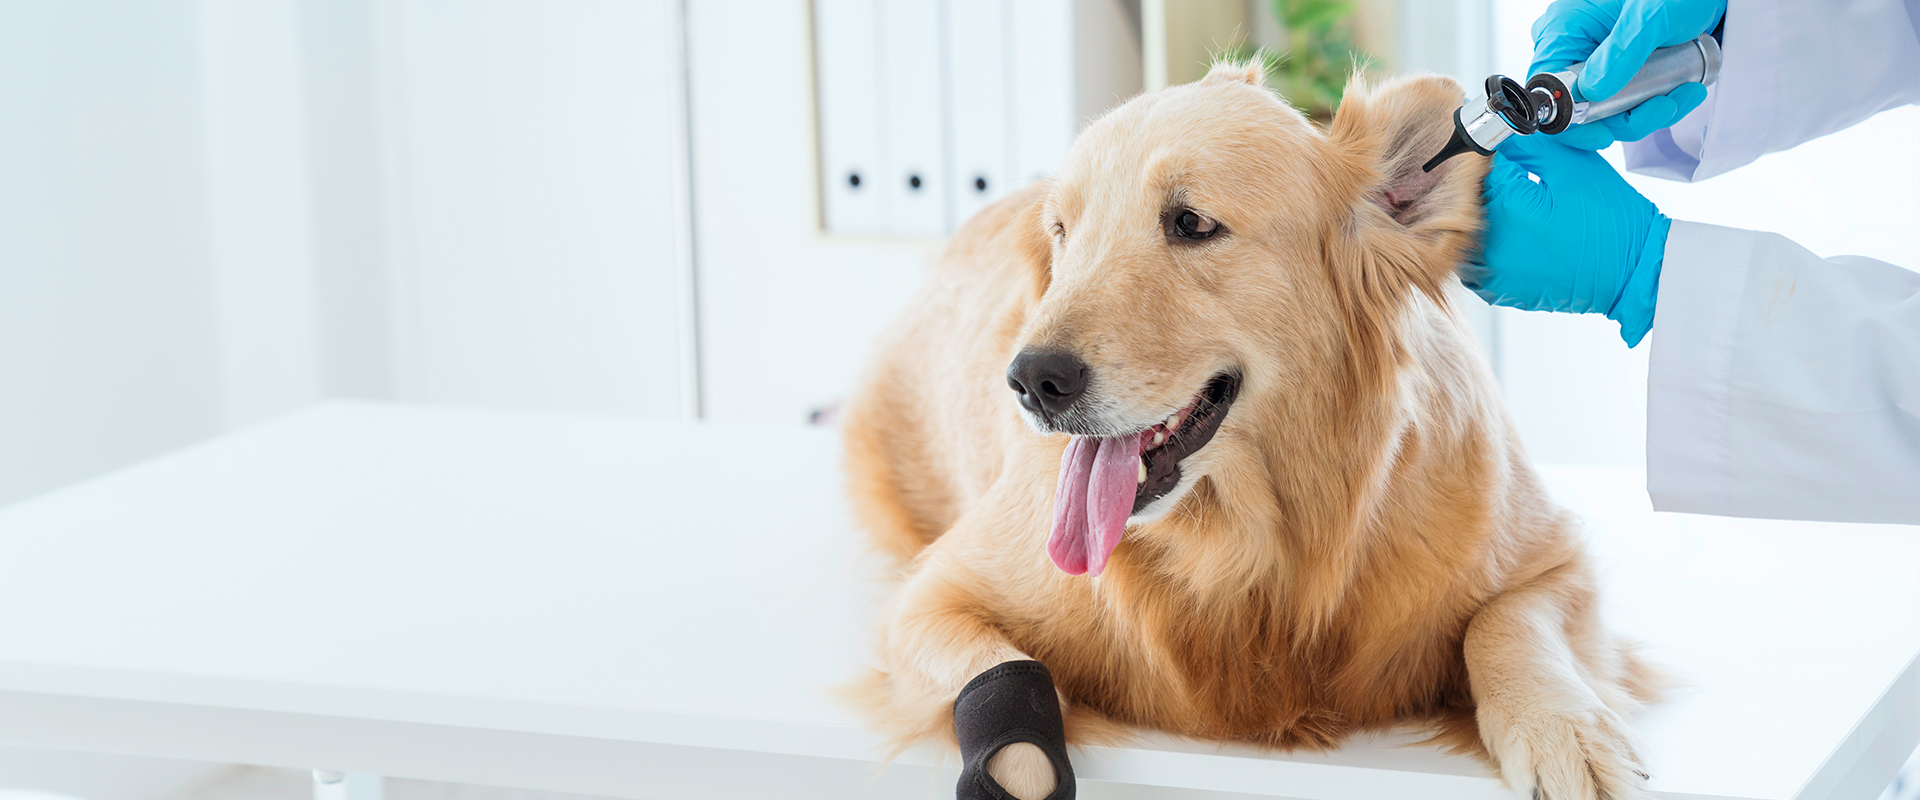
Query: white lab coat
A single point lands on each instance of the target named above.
(1784, 384)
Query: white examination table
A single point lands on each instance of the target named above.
(654, 609)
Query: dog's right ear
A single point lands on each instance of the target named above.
(1416, 225)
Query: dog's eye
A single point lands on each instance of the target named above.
(1190, 225)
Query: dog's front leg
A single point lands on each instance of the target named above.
(1533, 659)
(940, 641)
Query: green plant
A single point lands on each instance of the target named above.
(1319, 57)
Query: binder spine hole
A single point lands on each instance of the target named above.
(913, 181)
(980, 184)
(853, 179)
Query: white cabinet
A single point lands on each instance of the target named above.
(530, 174)
(931, 109)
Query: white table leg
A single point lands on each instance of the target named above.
(330, 785)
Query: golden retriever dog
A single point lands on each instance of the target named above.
(1194, 425)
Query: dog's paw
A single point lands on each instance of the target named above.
(1023, 770)
(1577, 754)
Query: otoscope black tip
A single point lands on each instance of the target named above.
(1454, 147)
(1459, 143)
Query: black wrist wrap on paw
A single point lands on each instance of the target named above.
(1012, 702)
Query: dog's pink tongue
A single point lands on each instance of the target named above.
(1098, 478)
(1067, 545)
(1110, 489)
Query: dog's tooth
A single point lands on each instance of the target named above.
(1159, 438)
(1143, 469)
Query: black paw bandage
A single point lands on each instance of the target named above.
(1013, 702)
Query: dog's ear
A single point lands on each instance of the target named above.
(1415, 225)
(1249, 71)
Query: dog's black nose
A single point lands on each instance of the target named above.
(1048, 381)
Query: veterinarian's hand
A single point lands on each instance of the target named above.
(1580, 240)
(1614, 38)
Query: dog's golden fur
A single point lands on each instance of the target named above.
(1362, 543)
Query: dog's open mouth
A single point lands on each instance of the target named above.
(1106, 479)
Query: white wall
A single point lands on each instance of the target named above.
(157, 252)
(108, 348)
(216, 211)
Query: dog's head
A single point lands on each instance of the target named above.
(1221, 268)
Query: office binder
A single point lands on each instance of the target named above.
(846, 58)
(978, 93)
(914, 172)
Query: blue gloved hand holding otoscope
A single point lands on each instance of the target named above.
(1603, 71)
(1782, 384)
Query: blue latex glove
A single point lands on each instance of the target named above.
(1580, 240)
(1615, 37)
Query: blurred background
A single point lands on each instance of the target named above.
(215, 211)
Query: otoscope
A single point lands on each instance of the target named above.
(1549, 102)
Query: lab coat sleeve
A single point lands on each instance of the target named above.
(1782, 384)
(1791, 71)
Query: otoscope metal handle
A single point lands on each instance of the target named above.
(1549, 102)
(1666, 68)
